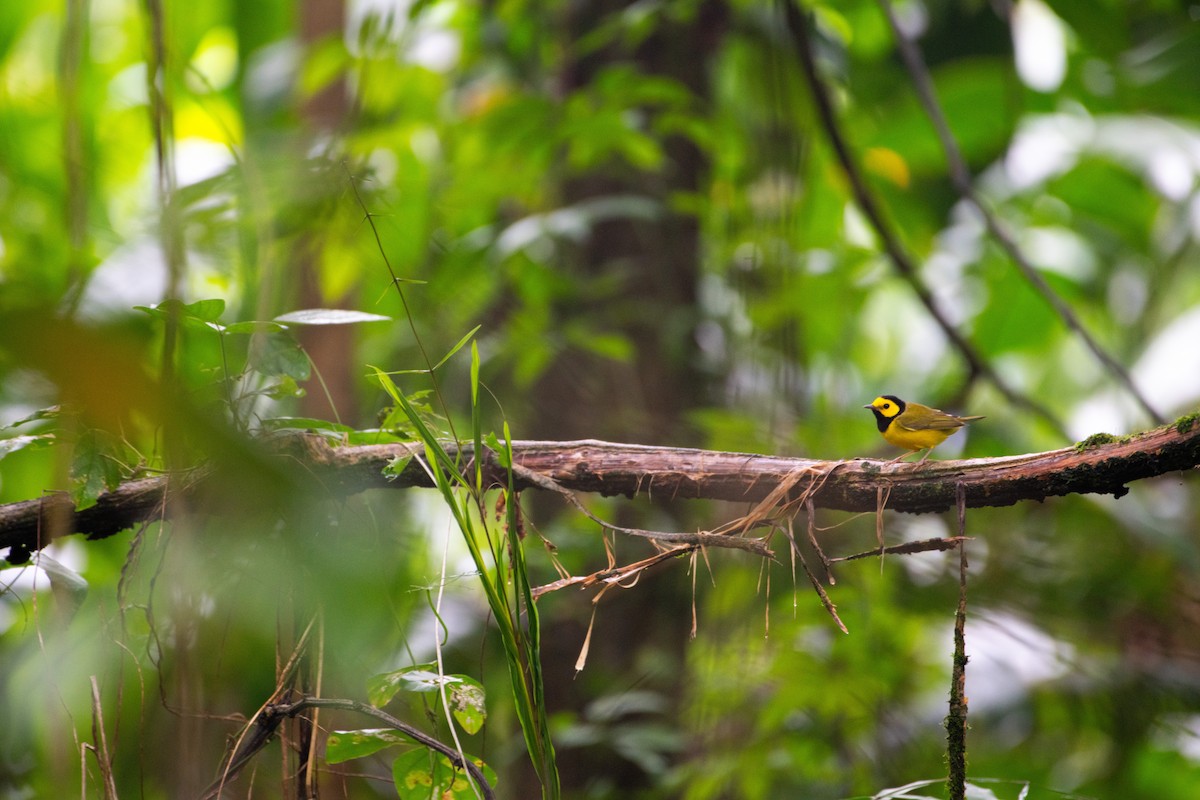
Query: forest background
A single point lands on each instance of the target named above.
(674, 222)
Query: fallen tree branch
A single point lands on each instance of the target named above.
(1100, 465)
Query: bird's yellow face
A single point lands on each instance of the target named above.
(886, 407)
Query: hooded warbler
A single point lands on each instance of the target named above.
(912, 425)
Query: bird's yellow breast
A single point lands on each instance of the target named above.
(900, 436)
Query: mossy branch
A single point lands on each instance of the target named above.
(1100, 465)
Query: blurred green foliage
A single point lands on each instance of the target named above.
(637, 206)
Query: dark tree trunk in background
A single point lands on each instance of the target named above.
(331, 347)
(644, 400)
(330, 392)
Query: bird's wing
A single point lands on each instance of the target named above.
(935, 422)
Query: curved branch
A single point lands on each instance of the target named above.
(1101, 465)
(901, 259)
(960, 177)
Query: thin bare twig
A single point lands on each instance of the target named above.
(103, 757)
(720, 538)
(960, 177)
(817, 587)
(810, 509)
(903, 262)
(907, 548)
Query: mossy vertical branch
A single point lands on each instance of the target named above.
(956, 720)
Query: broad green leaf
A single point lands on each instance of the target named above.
(207, 310)
(383, 687)
(328, 316)
(467, 704)
(285, 388)
(422, 774)
(1016, 319)
(976, 96)
(199, 311)
(416, 679)
(278, 354)
(95, 468)
(419, 775)
(345, 745)
(1107, 198)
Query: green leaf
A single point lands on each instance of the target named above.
(278, 354)
(418, 679)
(466, 338)
(397, 419)
(95, 468)
(250, 327)
(345, 745)
(418, 775)
(202, 311)
(328, 316)
(207, 310)
(976, 98)
(496, 446)
(285, 388)
(383, 687)
(422, 774)
(467, 704)
(395, 468)
(465, 695)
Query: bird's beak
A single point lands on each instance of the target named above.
(868, 405)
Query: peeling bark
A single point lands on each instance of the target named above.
(1104, 467)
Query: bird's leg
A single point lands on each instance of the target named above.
(925, 457)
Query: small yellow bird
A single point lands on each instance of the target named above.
(912, 425)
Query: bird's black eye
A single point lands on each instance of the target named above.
(886, 406)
